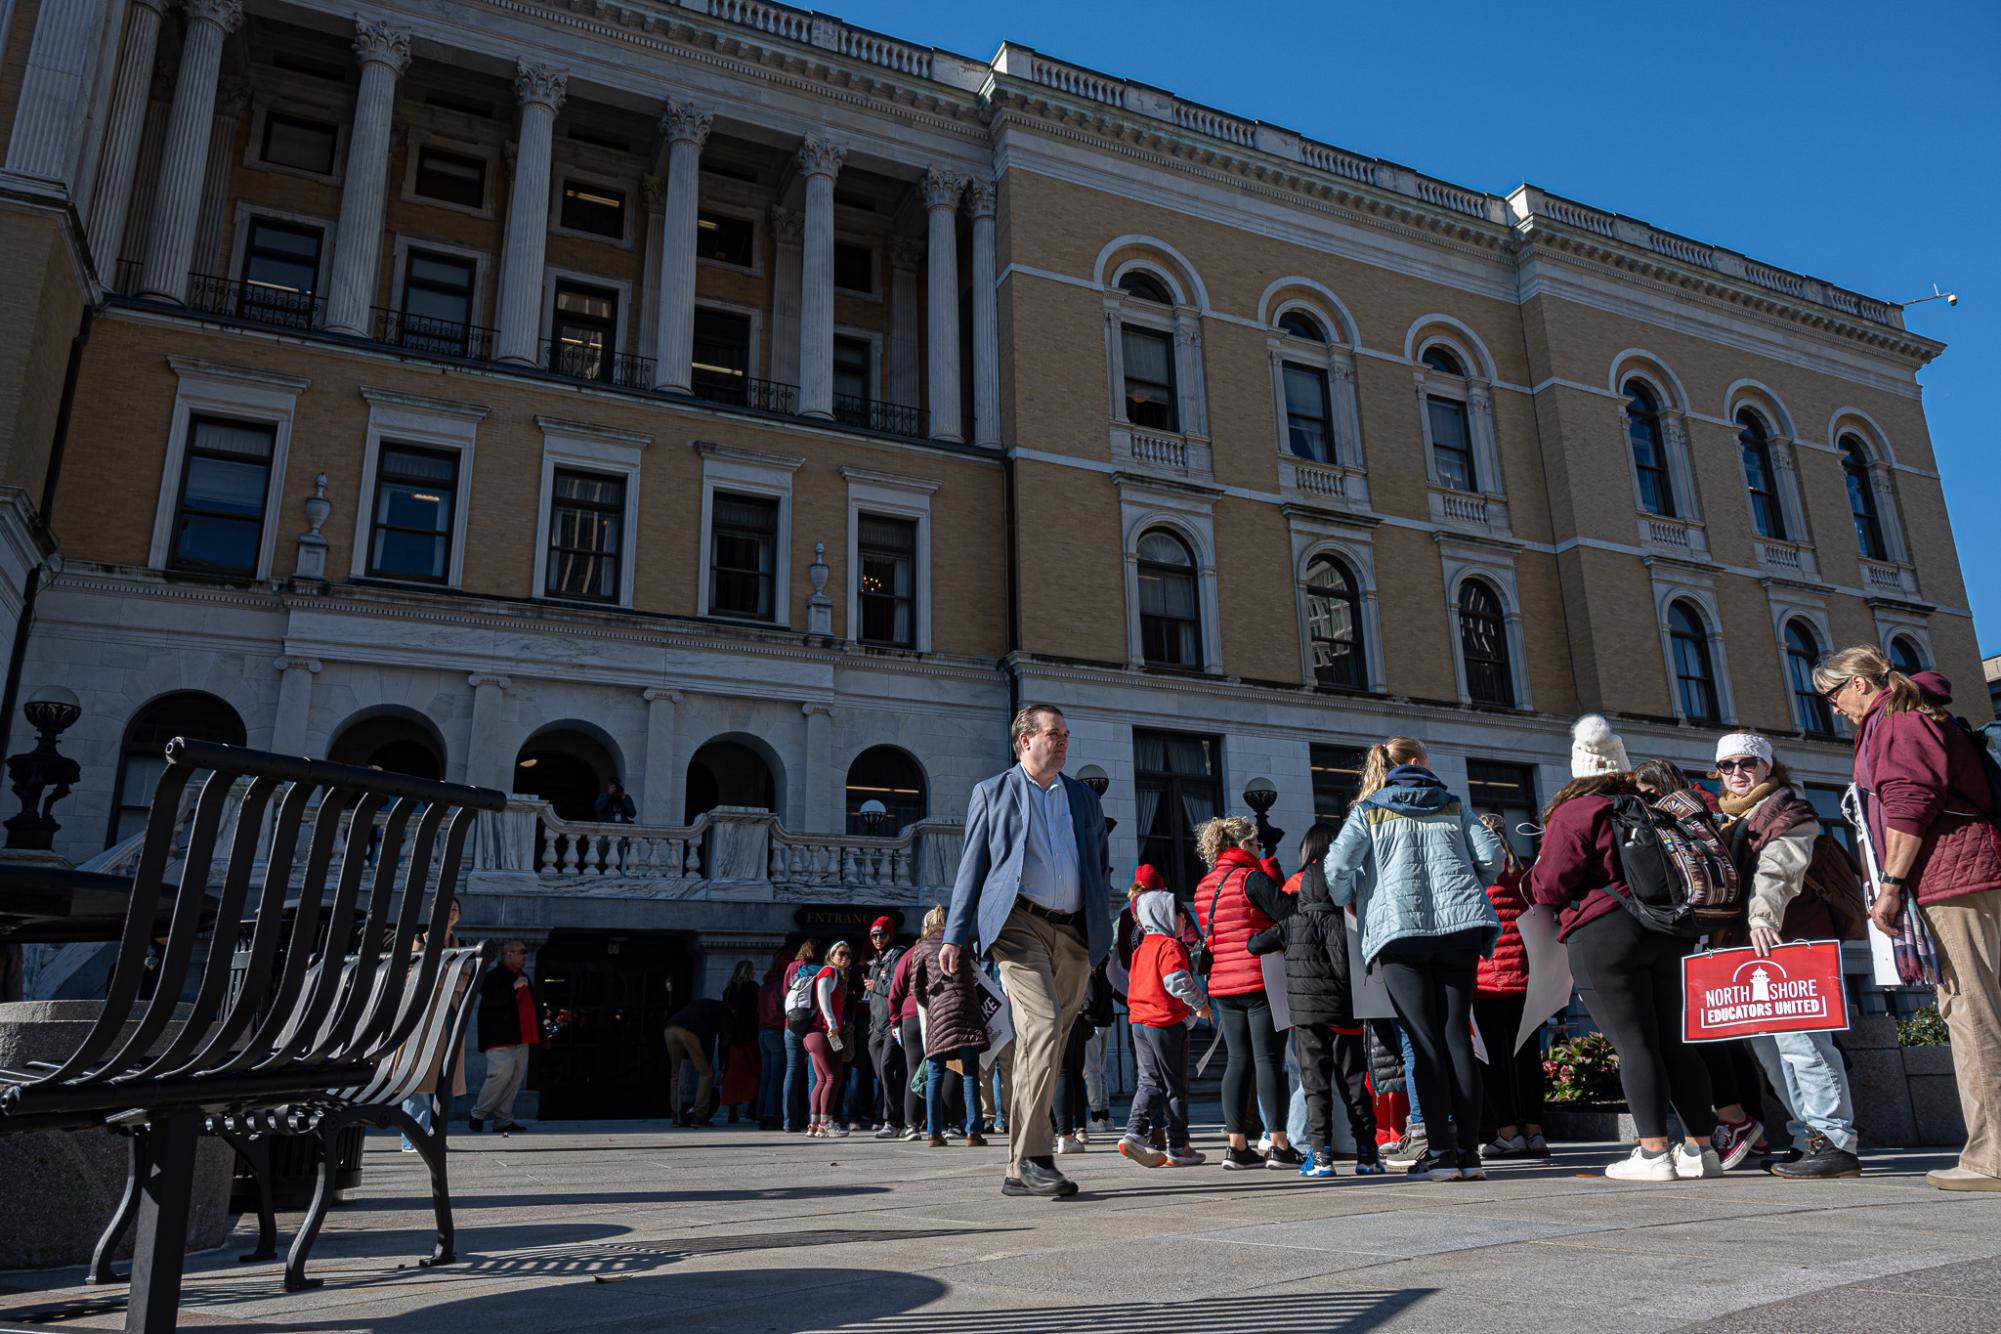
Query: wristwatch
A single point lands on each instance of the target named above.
(1896, 881)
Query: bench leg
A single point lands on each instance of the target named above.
(165, 1194)
(114, 1231)
(432, 1146)
(255, 1151)
(316, 1214)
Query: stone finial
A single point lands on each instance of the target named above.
(376, 40)
(821, 156)
(539, 83)
(225, 14)
(819, 607)
(942, 188)
(681, 122)
(312, 560)
(818, 571)
(980, 198)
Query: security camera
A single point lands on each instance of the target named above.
(1952, 298)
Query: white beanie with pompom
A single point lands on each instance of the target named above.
(1596, 749)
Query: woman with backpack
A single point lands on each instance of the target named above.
(797, 1081)
(1415, 863)
(1930, 797)
(1239, 897)
(823, 1041)
(1772, 833)
(1514, 1082)
(1628, 972)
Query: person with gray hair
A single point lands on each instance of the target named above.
(510, 1024)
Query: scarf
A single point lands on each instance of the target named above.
(1911, 947)
(1738, 807)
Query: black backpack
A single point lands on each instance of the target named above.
(1678, 874)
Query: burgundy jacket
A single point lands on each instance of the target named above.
(1579, 860)
(1925, 778)
(1506, 972)
(902, 1000)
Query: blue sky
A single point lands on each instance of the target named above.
(1854, 142)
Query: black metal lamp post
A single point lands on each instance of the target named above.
(1259, 794)
(1098, 780)
(50, 710)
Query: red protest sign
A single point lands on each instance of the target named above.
(1736, 994)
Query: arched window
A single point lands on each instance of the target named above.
(1334, 624)
(1755, 443)
(1649, 444)
(1904, 655)
(1802, 652)
(1170, 607)
(570, 769)
(142, 756)
(1695, 679)
(1441, 360)
(728, 773)
(1146, 287)
(890, 776)
(396, 742)
(1862, 499)
(1483, 645)
(1301, 325)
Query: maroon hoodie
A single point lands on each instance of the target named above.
(1579, 860)
(1925, 778)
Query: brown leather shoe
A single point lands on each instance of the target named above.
(937, 1141)
(976, 1140)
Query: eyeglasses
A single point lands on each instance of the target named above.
(1749, 766)
(1832, 695)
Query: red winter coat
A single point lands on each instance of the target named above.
(1925, 778)
(1148, 1000)
(1506, 973)
(1247, 899)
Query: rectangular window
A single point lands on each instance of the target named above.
(586, 523)
(1506, 790)
(743, 555)
(1177, 784)
(452, 178)
(597, 209)
(293, 141)
(1149, 387)
(1451, 443)
(281, 273)
(1826, 803)
(854, 267)
(887, 556)
(726, 239)
(851, 396)
(1337, 780)
(722, 355)
(1307, 415)
(225, 475)
(586, 325)
(416, 491)
(437, 304)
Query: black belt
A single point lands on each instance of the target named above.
(1035, 909)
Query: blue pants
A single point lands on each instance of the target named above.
(1410, 1074)
(420, 1107)
(798, 1080)
(770, 1074)
(934, 1088)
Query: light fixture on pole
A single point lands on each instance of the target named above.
(1098, 780)
(1260, 794)
(873, 813)
(1950, 298)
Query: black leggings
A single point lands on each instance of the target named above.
(1253, 1043)
(1733, 1075)
(913, 1060)
(1630, 979)
(1431, 988)
(1514, 1082)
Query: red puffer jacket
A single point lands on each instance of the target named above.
(1925, 778)
(1247, 899)
(1507, 972)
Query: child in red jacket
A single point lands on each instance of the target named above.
(1163, 995)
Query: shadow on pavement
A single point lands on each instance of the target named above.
(460, 1201)
(1249, 1313)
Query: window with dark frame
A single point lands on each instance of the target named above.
(142, 755)
(416, 497)
(722, 355)
(1170, 605)
(1149, 374)
(294, 141)
(1755, 445)
(586, 534)
(743, 556)
(1308, 415)
(1301, 325)
(1809, 705)
(437, 303)
(1177, 785)
(1334, 624)
(1904, 655)
(225, 477)
(281, 272)
(1695, 675)
(1862, 499)
(1442, 360)
(584, 332)
(1451, 443)
(854, 267)
(1337, 780)
(1506, 790)
(886, 557)
(593, 208)
(890, 776)
(726, 239)
(451, 178)
(1483, 645)
(1649, 445)
(1146, 287)
(851, 381)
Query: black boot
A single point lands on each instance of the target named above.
(1821, 1162)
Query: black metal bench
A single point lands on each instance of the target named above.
(269, 1029)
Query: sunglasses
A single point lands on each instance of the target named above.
(1736, 766)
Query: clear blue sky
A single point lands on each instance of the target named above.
(1854, 142)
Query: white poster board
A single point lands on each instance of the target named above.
(999, 1016)
(1550, 981)
(1273, 965)
(1372, 995)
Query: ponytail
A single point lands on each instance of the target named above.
(1868, 662)
(1386, 755)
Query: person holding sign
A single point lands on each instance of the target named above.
(1772, 832)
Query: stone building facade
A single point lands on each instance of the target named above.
(754, 409)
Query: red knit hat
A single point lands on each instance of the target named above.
(883, 923)
(1148, 878)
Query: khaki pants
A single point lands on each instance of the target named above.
(1968, 932)
(506, 1067)
(1044, 968)
(685, 1046)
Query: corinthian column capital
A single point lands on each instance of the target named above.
(681, 122)
(980, 198)
(225, 14)
(375, 40)
(942, 188)
(821, 156)
(539, 83)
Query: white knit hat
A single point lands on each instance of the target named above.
(1595, 748)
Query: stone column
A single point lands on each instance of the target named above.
(686, 129)
(820, 781)
(295, 705)
(660, 799)
(122, 136)
(653, 192)
(183, 164)
(485, 766)
(55, 85)
(385, 54)
(540, 92)
(788, 230)
(905, 253)
(941, 287)
(1188, 372)
(819, 162)
(1347, 412)
(232, 99)
(986, 317)
(1480, 412)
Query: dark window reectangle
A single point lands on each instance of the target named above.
(886, 561)
(743, 556)
(1451, 443)
(1809, 705)
(225, 477)
(299, 143)
(1754, 442)
(1334, 625)
(1649, 445)
(437, 303)
(416, 501)
(1170, 606)
(586, 533)
(451, 178)
(1483, 645)
(281, 272)
(596, 209)
(1139, 283)
(1695, 674)
(1862, 500)
(1309, 426)
(726, 239)
(1149, 378)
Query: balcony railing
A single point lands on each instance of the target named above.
(258, 303)
(744, 391)
(581, 361)
(433, 337)
(875, 415)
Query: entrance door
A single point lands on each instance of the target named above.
(605, 1002)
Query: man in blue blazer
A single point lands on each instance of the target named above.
(1034, 894)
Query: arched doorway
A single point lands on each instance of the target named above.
(569, 768)
(728, 772)
(399, 742)
(142, 755)
(890, 776)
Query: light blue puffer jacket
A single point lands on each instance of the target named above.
(1415, 862)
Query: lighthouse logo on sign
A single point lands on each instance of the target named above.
(1761, 990)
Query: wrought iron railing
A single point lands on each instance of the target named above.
(581, 361)
(875, 415)
(433, 337)
(744, 391)
(258, 303)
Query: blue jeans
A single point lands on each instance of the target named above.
(1410, 1075)
(798, 1079)
(1295, 1112)
(934, 1088)
(1806, 1071)
(770, 1074)
(420, 1107)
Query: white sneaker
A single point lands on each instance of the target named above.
(1694, 1164)
(1639, 1167)
(1069, 1144)
(1101, 1125)
(1264, 1142)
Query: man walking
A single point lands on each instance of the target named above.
(882, 1049)
(690, 1036)
(1033, 894)
(510, 1022)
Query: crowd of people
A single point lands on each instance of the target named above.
(1383, 965)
